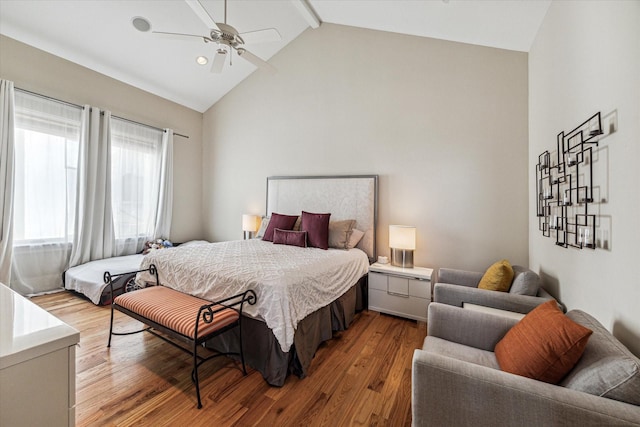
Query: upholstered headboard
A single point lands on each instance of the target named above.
(345, 197)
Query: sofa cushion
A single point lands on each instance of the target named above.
(290, 237)
(460, 351)
(498, 277)
(339, 233)
(263, 227)
(317, 227)
(544, 345)
(354, 239)
(283, 222)
(607, 368)
(525, 282)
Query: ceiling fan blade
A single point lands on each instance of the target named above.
(261, 36)
(218, 61)
(177, 36)
(202, 13)
(243, 53)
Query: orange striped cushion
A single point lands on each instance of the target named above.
(175, 310)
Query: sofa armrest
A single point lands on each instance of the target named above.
(542, 293)
(467, 327)
(447, 391)
(459, 277)
(458, 295)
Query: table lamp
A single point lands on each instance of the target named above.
(402, 242)
(250, 225)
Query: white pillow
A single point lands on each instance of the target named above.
(263, 227)
(339, 233)
(354, 239)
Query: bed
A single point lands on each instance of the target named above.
(304, 294)
(88, 278)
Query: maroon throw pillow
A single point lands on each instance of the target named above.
(291, 238)
(283, 222)
(317, 228)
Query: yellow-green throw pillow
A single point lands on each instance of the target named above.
(498, 277)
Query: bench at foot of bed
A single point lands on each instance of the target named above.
(182, 317)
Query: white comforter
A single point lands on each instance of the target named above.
(290, 282)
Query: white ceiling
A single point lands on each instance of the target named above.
(99, 34)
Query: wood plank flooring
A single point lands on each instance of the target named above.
(361, 377)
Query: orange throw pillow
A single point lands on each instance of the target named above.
(498, 277)
(545, 345)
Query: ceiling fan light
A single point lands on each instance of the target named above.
(202, 60)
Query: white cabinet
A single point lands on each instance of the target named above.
(399, 291)
(37, 365)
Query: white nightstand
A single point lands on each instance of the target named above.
(400, 291)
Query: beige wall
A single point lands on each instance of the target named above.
(46, 74)
(586, 58)
(444, 125)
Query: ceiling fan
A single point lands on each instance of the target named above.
(228, 38)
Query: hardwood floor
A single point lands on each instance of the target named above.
(361, 377)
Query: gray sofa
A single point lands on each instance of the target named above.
(456, 380)
(458, 287)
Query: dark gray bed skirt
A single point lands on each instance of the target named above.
(263, 353)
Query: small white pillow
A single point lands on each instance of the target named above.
(354, 239)
(339, 233)
(263, 227)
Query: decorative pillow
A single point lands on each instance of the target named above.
(498, 277)
(545, 345)
(525, 282)
(317, 227)
(263, 227)
(283, 222)
(292, 238)
(354, 239)
(339, 233)
(607, 368)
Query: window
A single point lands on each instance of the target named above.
(136, 155)
(45, 200)
(46, 154)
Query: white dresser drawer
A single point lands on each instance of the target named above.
(410, 307)
(398, 286)
(420, 288)
(377, 281)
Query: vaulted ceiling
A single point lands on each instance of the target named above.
(99, 34)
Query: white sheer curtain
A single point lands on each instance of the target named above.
(46, 149)
(165, 193)
(136, 171)
(81, 186)
(6, 178)
(94, 236)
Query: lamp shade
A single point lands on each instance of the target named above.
(250, 223)
(402, 237)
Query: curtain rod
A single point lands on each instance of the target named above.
(144, 124)
(81, 106)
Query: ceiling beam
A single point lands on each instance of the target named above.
(307, 13)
